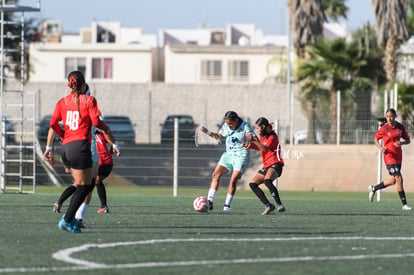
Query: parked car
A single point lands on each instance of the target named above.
(122, 128)
(301, 136)
(186, 127)
(43, 129)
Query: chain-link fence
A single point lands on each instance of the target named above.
(350, 166)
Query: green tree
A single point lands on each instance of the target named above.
(306, 23)
(391, 26)
(410, 18)
(306, 18)
(335, 9)
(406, 101)
(366, 48)
(332, 66)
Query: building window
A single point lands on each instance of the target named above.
(211, 70)
(75, 64)
(102, 68)
(239, 70)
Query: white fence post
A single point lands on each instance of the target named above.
(338, 117)
(276, 127)
(176, 144)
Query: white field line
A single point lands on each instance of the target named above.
(65, 254)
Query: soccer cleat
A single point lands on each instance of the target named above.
(74, 227)
(82, 224)
(62, 225)
(71, 227)
(56, 207)
(269, 208)
(406, 207)
(210, 205)
(226, 209)
(103, 210)
(371, 193)
(281, 208)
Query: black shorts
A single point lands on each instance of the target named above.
(277, 167)
(105, 170)
(77, 154)
(394, 169)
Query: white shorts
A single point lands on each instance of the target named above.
(234, 162)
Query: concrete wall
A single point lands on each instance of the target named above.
(308, 167)
(148, 104)
(335, 168)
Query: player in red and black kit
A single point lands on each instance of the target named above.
(272, 164)
(106, 163)
(391, 134)
(78, 112)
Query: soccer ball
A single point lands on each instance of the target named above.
(200, 204)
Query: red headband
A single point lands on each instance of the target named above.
(71, 80)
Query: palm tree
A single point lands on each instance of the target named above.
(410, 18)
(332, 66)
(391, 25)
(406, 101)
(306, 18)
(366, 48)
(306, 23)
(335, 9)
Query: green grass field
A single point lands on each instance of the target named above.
(151, 232)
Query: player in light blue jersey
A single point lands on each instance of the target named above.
(236, 158)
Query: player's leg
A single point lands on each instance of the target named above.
(103, 172)
(219, 171)
(63, 197)
(272, 173)
(254, 186)
(235, 176)
(383, 184)
(222, 168)
(83, 208)
(81, 177)
(67, 192)
(79, 157)
(100, 188)
(238, 165)
(401, 193)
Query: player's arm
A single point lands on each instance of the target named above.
(252, 141)
(379, 146)
(109, 137)
(54, 124)
(258, 146)
(403, 142)
(48, 154)
(406, 139)
(211, 134)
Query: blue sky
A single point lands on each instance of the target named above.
(151, 15)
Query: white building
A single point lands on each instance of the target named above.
(221, 64)
(106, 52)
(109, 52)
(238, 54)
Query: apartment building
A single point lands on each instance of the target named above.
(105, 52)
(110, 52)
